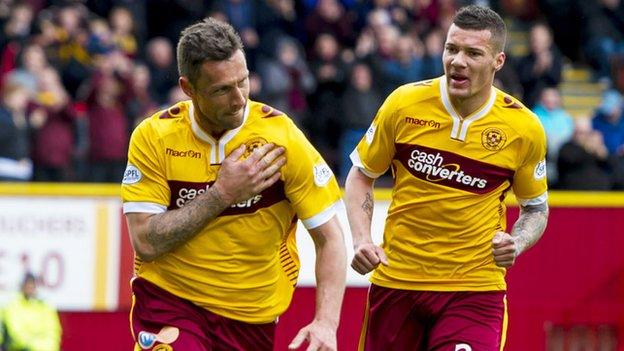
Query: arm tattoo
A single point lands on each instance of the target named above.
(171, 229)
(530, 226)
(368, 205)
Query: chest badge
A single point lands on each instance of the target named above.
(493, 139)
(252, 144)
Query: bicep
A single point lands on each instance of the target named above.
(138, 226)
(534, 208)
(326, 232)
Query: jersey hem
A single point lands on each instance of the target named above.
(450, 286)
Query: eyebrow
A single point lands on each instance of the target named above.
(227, 85)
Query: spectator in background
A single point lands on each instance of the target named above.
(14, 34)
(275, 19)
(359, 103)
(330, 17)
(507, 79)
(106, 96)
(604, 34)
(53, 142)
(405, 66)
(31, 324)
(432, 61)
(609, 121)
(69, 46)
(330, 74)
(161, 63)
(286, 79)
(32, 63)
(542, 66)
(558, 125)
(15, 128)
(241, 14)
(584, 162)
(141, 103)
(122, 25)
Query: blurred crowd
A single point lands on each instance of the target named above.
(78, 76)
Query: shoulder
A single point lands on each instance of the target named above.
(166, 120)
(266, 115)
(520, 117)
(416, 92)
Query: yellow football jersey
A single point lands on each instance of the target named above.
(244, 264)
(451, 177)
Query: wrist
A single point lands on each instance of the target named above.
(220, 195)
(360, 242)
(331, 323)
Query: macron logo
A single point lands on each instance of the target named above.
(188, 153)
(422, 122)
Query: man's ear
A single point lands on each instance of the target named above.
(186, 86)
(499, 61)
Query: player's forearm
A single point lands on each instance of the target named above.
(330, 271)
(168, 230)
(530, 226)
(360, 203)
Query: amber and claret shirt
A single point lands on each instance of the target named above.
(244, 264)
(451, 178)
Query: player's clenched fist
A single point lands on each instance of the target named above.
(367, 257)
(504, 249)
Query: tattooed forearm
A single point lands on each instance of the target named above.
(170, 229)
(368, 205)
(530, 226)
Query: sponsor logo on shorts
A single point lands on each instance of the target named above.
(540, 170)
(131, 175)
(493, 139)
(322, 174)
(146, 339)
(429, 123)
(450, 169)
(166, 336)
(463, 347)
(185, 153)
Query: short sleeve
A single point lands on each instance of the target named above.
(374, 153)
(144, 187)
(310, 184)
(530, 180)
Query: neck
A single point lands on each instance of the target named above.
(208, 127)
(467, 106)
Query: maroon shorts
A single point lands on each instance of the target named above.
(434, 321)
(162, 321)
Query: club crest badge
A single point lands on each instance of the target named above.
(253, 144)
(493, 139)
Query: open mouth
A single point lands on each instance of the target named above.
(458, 79)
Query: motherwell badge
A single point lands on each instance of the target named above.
(493, 139)
(253, 144)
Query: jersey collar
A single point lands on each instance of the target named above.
(217, 153)
(460, 125)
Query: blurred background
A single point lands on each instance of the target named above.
(77, 76)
